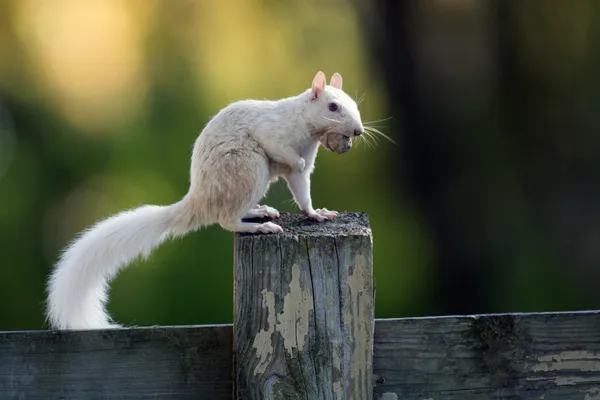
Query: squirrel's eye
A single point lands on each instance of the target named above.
(333, 107)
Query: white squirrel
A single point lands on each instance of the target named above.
(243, 149)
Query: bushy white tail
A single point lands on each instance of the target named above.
(77, 288)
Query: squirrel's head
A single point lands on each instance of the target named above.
(330, 109)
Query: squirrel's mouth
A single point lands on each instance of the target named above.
(338, 131)
(318, 132)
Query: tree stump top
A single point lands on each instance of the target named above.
(345, 223)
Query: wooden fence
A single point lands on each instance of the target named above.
(304, 329)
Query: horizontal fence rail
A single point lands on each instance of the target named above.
(505, 356)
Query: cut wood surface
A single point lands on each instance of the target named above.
(304, 316)
(508, 356)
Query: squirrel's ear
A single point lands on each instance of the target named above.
(318, 84)
(336, 81)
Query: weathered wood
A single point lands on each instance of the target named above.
(142, 363)
(509, 356)
(303, 319)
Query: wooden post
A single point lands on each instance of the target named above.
(304, 311)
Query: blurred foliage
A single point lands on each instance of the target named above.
(100, 103)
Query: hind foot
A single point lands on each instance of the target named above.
(251, 227)
(259, 211)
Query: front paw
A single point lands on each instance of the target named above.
(300, 165)
(322, 214)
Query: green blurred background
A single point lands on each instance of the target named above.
(489, 202)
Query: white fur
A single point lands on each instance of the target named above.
(245, 147)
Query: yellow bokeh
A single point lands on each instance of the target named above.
(88, 56)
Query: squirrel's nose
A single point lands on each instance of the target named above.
(358, 132)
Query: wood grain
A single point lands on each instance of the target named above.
(141, 363)
(510, 356)
(543, 356)
(303, 320)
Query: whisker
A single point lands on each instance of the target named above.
(372, 136)
(361, 141)
(368, 138)
(374, 139)
(360, 100)
(377, 120)
(377, 126)
(356, 143)
(375, 130)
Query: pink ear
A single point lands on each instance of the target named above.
(336, 81)
(318, 84)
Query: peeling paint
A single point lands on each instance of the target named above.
(262, 341)
(566, 380)
(569, 360)
(575, 380)
(292, 323)
(592, 394)
(337, 374)
(337, 390)
(389, 396)
(570, 355)
(361, 325)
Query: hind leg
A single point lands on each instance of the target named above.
(245, 187)
(263, 211)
